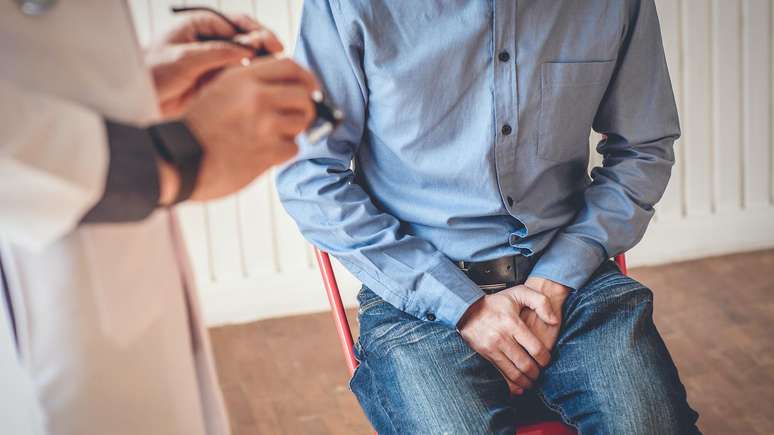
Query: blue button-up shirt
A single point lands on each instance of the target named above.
(468, 125)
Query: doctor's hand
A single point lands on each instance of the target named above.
(493, 328)
(246, 120)
(181, 65)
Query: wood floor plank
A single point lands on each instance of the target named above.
(287, 377)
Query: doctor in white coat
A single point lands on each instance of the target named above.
(99, 327)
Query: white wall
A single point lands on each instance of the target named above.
(251, 263)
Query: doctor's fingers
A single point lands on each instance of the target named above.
(206, 23)
(282, 151)
(261, 39)
(287, 98)
(280, 125)
(195, 24)
(289, 124)
(282, 70)
(199, 58)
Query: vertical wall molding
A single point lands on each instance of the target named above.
(250, 262)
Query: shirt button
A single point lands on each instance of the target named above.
(510, 201)
(504, 56)
(506, 129)
(431, 317)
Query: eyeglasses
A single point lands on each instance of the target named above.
(327, 116)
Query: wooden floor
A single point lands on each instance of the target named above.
(286, 376)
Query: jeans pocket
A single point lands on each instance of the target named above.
(367, 300)
(357, 352)
(380, 323)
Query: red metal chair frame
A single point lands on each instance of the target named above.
(345, 336)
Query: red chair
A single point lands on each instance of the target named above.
(345, 337)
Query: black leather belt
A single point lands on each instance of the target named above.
(501, 273)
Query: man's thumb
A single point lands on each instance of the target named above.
(536, 301)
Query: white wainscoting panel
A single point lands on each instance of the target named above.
(250, 262)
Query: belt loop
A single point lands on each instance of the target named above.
(526, 268)
(517, 269)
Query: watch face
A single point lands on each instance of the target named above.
(35, 7)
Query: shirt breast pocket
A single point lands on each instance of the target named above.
(570, 94)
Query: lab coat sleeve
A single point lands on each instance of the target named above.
(53, 165)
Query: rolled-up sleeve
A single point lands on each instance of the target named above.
(639, 118)
(336, 214)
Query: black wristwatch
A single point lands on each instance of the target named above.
(175, 143)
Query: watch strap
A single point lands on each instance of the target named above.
(176, 144)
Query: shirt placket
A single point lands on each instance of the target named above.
(506, 105)
(506, 119)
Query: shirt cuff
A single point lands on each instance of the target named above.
(569, 261)
(132, 187)
(445, 295)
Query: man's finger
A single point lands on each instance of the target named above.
(527, 339)
(509, 371)
(283, 70)
(515, 389)
(519, 357)
(537, 301)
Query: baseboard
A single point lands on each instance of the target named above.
(709, 235)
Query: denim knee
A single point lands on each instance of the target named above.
(648, 404)
(609, 286)
(612, 372)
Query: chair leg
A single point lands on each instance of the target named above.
(546, 428)
(337, 308)
(620, 260)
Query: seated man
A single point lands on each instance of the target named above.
(482, 242)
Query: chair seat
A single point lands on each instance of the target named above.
(547, 428)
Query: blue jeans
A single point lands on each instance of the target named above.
(610, 374)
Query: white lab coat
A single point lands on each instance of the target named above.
(109, 336)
